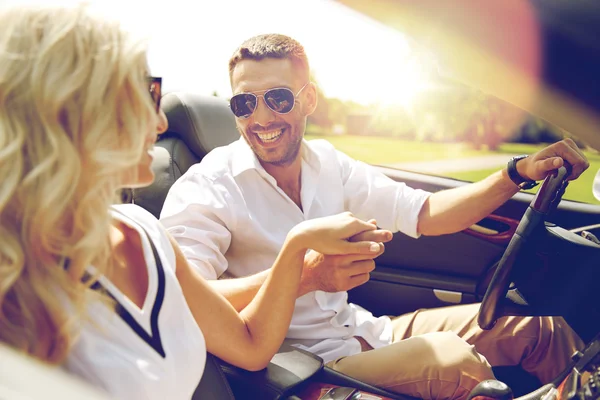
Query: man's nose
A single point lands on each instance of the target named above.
(263, 115)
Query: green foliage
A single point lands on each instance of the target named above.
(445, 112)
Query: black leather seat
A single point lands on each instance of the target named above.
(197, 125)
(214, 384)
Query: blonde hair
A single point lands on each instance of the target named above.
(74, 113)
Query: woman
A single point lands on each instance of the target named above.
(103, 290)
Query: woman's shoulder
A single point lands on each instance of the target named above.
(148, 222)
(140, 216)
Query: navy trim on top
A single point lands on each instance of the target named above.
(154, 339)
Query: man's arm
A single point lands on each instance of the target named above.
(453, 210)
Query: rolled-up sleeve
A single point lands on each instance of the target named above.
(196, 213)
(370, 194)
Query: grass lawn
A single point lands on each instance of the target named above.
(578, 190)
(378, 150)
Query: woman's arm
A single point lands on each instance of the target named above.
(249, 339)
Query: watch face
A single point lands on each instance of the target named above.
(528, 185)
(522, 156)
(514, 175)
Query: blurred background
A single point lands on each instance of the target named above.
(383, 98)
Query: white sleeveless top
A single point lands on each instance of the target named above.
(156, 352)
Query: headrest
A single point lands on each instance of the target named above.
(202, 122)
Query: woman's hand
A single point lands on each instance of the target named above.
(329, 235)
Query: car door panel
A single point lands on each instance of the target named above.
(391, 298)
(450, 269)
(494, 229)
(426, 272)
(458, 254)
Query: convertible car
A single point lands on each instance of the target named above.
(535, 255)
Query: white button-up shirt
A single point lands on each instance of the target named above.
(231, 219)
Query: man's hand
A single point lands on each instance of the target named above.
(337, 273)
(537, 166)
(377, 235)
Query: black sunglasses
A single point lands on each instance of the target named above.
(155, 90)
(279, 100)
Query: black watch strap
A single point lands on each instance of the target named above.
(514, 175)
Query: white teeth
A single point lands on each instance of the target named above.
(270, 136)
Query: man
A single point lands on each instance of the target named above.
(231, 213)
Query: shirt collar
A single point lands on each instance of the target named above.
(245, 159)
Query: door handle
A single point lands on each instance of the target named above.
(448, 296)
(494, 228)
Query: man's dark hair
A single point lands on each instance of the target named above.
(271, 46)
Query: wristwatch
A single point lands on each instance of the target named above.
(513, 174)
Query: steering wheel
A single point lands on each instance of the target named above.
(544, 202)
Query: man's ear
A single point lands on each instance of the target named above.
(311, 98)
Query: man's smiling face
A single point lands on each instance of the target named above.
(274, 138)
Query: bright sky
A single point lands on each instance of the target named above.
(190, 42)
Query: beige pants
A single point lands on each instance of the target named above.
(442, 353)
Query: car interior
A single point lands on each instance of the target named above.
(408, 275)
(534, 255)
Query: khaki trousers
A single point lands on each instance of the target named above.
(442, 353)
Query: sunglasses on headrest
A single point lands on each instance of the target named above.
(155, 89)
